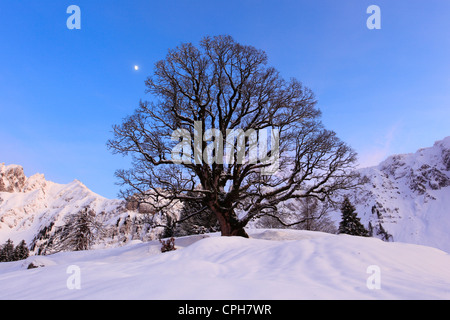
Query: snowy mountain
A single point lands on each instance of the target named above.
(32, 208)
(273, 264)
(406, 198)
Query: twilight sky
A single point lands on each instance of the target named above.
(383, 91)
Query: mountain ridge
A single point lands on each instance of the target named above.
(33, 206)
(406, 198)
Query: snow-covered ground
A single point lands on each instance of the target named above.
(273, 264)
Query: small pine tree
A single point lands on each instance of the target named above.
(21, 252)
(350, 223)
(7, 251)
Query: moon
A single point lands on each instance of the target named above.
(136, 67)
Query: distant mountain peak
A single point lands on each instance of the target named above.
(34, 209)
(12, 178)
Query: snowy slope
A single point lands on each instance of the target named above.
(273, 264)
(28, 205)
(409, 196)
(33, 208)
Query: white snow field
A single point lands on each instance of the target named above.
(273, 264)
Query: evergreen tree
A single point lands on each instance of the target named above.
(7, 251)
(350, 223)
(194, 219)
(21, 252)
(77, 234)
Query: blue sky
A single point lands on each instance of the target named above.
(383, 91)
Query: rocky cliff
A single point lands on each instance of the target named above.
(407, 197)
(12, 178)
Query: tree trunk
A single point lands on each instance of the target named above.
(229, 223)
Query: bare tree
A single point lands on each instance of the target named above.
(201, 95)
(303, 214)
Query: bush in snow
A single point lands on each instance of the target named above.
(168, 245)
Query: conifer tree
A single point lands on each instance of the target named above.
(21, 252)
(7, 251)
(350, 223)
(195, 219)
(77, 234)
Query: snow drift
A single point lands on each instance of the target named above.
(273, 264)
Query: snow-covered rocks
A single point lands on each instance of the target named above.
(12, 178)
(37, 262)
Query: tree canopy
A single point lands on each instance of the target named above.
(225, 130)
